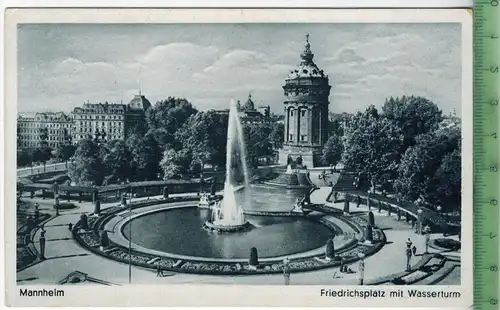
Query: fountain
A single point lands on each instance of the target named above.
(227, 215)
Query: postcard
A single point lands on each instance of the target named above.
(223, 157)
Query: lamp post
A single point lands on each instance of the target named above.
(419, 211)
(361, 268)
(427, 231)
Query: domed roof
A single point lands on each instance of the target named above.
(307, 67)
(249, 105)
(139, 102)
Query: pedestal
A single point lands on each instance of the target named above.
(310, 155)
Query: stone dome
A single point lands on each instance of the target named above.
(307, 68)
(249, 105)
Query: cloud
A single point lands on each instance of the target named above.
(241, 71)
(365, 65)
(402, 64)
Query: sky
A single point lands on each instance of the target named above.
(61, 66)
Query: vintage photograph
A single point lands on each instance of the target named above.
(240, 153)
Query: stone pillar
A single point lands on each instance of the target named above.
(346, 206)
(42, 244)
(287, 116)
(309, 126)
(97, 207)
(369, 233)
(297, 119)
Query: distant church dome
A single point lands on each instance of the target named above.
(249, 105)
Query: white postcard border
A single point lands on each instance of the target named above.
(238, 295)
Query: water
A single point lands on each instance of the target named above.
(180, 231)
(229, 212)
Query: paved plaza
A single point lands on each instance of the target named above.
(64, 255)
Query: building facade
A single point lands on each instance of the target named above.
(109, 121)
(249, 113)
(54, 128)
(306, 90)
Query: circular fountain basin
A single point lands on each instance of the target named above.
(181, 232)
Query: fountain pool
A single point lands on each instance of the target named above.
(180, 231)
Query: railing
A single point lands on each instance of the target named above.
(29, 171)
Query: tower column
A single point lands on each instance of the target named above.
(285, 140)
(297, 118)
(310, 125)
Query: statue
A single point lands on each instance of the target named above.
(299, 160)
(84, 224)
(42, 243)
(253, 261)
(212, 188)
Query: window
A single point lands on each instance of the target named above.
(291, 113)
(303, 112)
(290, 137)
(303, 138)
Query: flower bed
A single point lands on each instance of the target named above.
(447, 243)
(66, 206)
(349, 253)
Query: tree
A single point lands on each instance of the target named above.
(414, 115)
(277, 135)
(448, 181)
(257, 142)
(417, 171)
(166, 117)
(43, 152)
(117, 162)
(372, 145)
(145, 157)
(175, 163)
(65, 151)
(87, 168)
(204, 134)
(24, 158)
(332, 151)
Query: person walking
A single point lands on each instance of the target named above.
(361, 272)
(408, 243)
(159, 271)
(414, 250)
(286, 270)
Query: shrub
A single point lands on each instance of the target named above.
(65, 206)
(447, 243)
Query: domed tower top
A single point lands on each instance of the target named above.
(307, 67)
(306, 55)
